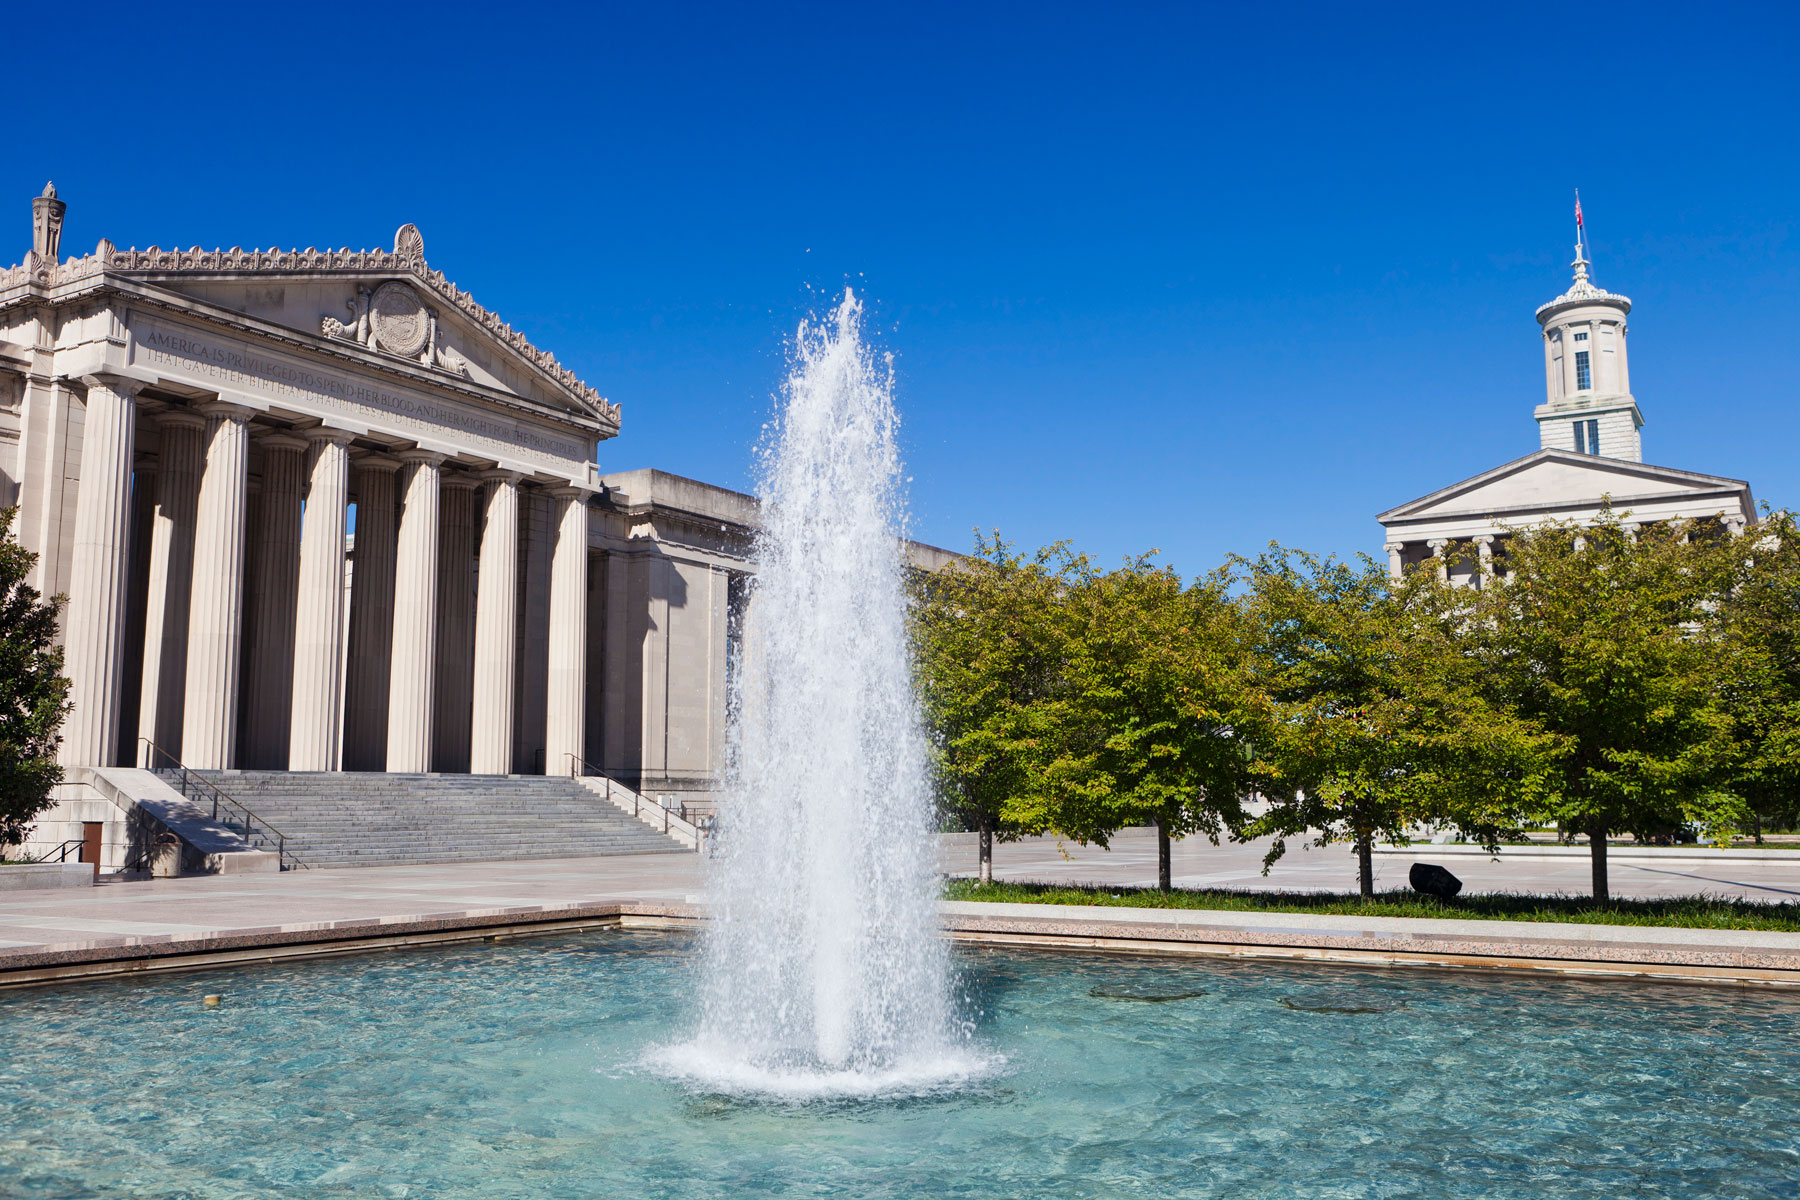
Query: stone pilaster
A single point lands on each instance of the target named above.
(93, 624)
(313, 739)
(565, 715)
(456, 625)
(371, 617)
(496, 613)
(411, 687)
(216, 608)
(164, 686)
(269, 673)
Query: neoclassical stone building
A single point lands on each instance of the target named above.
(319, 510)
(1590, 455)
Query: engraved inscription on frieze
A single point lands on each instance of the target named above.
(238, 366)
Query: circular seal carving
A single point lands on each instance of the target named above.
(398, 316)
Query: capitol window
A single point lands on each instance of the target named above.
(1587, 437)
(1583, 380)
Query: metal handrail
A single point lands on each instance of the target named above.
(61, 852)
(218, 796)
(579, 766)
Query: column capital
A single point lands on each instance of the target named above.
(568, 492)
(326, 433)
(1393, 547)
(122, 385)
(500, 475)
(225, 410)
(282, 441)
(431, 457)
(458, 481)
(1483, 539)
(179, 418)
(374, 461)
(1438, 545)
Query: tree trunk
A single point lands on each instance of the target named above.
(1597, 847)
(1162, 856)
(1365, 858)
(985, 875)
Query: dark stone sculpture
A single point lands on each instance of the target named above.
(1433, 880)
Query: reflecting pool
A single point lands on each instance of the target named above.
(515, 1070)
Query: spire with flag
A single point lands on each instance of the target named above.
(1581, 259)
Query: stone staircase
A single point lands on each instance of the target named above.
(365, 819)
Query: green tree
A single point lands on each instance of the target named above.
(33, 692)
(1601, 637)
(1758, 626)
(1379, 724)
(988, 653)
(1156, 718)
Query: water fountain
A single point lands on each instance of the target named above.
(822, 973)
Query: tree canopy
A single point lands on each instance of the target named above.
(1604, 680)
(33, 691)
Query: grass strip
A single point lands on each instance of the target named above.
(1684, 912)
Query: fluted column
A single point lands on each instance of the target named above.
(456, 625)
(1395, 565)
(567, 687)
(270, 673)
(94, 627)
(371, 617)
(1437, 547)
(411, 689)
(137, 596)
(216, 608)
(319, 620)
(164, 685)
(1484, 550)
(496, 615)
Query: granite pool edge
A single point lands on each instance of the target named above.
(1689, 955)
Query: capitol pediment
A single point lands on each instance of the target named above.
(386, 303)
(1552, 481)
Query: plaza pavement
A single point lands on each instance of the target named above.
(1197, 863)
(123, 913)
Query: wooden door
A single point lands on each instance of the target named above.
(90, 843)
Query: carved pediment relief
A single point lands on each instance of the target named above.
(297, 289)
(393, 319)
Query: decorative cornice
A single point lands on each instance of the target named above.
(1583, 291)
(407, 259)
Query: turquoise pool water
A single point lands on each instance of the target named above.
(513, 1070)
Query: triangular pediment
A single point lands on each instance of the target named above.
(1555, 479)
(381, 302)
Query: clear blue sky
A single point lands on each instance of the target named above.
(1191, 277)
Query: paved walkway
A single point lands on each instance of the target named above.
(1196, 862)
(116, 914)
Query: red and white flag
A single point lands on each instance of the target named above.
(1578, 210)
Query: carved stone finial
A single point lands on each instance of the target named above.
(409, 244)
(46, 224)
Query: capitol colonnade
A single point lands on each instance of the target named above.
(250, 629)
(313, 510)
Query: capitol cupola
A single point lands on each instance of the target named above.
(1588, 405)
